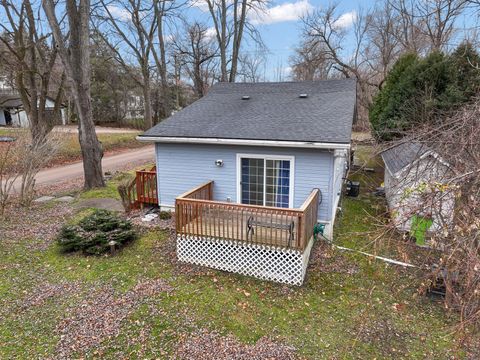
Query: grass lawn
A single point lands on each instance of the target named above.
(70, 148)
(349, 306)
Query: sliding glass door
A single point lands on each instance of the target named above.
(265, 181)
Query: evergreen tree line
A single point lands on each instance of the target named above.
(419, 89)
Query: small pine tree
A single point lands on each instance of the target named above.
(93, 234)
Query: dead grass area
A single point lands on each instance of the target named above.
(167, 250)
(34, 227)
(46, 291)
(99, 317)
(324, 258)
(382, 333)
(112, 143)
(69, 146)
(210, 345)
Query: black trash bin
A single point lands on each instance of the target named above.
(353, 188)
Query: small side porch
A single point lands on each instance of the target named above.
(270, 243)
(142, 191)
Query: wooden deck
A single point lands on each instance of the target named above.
(197, 215)
(234, 224)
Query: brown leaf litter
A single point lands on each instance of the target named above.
(36, 226)
(100, 316)
(383, 334)
(168, 251)
(325, 259)
(47, 291)
(210, 345)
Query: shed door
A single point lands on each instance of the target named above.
(265, 181)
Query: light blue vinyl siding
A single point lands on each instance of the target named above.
(181, 167)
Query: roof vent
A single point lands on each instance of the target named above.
(245, 97)
(303, 96)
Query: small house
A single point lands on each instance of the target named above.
(12, 112)
(416, 188)
(252, 170)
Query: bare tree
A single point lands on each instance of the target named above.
(410, 29)
(324, 30)
(251, 66)
(444, 185)
(428, 24)
(439, 17)
(8, 175)
(231, 25)
(31, 56)
(382, 47)
(162, 9)
(135, 30)
(74, 50)
(310, 62)
(196, 52)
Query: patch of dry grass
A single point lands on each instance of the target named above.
(69, 149)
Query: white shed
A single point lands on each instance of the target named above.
(13, 114)
(417, 186)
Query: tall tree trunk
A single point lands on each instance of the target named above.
(239, 25)
(147, 98)
(76, 60)
(92, 151)
(160, 12)
(223, 42)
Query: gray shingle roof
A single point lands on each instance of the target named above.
(10, 101)
(274, 112)
(402, 155)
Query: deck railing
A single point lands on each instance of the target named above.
(143, 189)
(198, 215)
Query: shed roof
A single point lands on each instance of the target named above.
(273, 111)
(10, 101)
(400, 156)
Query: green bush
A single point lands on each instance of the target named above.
(418, 90)
(93, 233)
(165, 215)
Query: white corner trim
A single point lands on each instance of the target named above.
(274, 143)
(340, 153)
(166, 207)
(290, 158)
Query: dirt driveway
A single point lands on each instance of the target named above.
(110, 163)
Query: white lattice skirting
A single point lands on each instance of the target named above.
(263, 262)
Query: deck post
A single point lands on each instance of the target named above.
(299, 231)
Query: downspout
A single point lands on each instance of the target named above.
(336, 155)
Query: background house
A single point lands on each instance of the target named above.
(268, 154)
(415, 186)
(13, 114)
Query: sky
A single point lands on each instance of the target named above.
(280, 28)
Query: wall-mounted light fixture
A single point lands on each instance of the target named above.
(219, 162)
